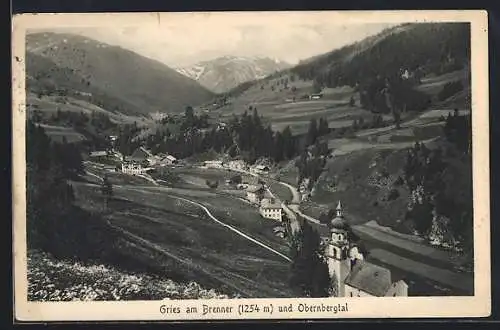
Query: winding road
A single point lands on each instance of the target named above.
(210, 215)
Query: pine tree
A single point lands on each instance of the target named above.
(107, 190)
(312, 132)
(309, 272)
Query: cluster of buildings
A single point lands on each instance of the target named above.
(237, 165)
(138, 163)
(269, 208)
(356, 276)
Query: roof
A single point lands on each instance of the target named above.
(370, 278)
(254, 189)
(139, 153)
(146, 151)
(339, 223)
(98, 153)
(270, 204)
(261, 167)
(170, 157)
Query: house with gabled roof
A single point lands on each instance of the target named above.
(139, 155)
(271, 209)
(255, 193)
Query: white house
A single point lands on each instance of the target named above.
(315, 96)
(169, 160)
(255, 193)
(355, 276)
(237, 165)
(213, 163)
(260, 169)
(98, 154)
(132, 168)
(270, 209)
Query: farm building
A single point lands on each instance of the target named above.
(169, 160)
(110, 168)
(213, 163)
(255, 193)
(315, 96)
(140, 155)
(132, 168)
(221, 126)
(270, 209)
(96, 154)
(117, 155)
(356, 277)
(260, 169)
(237, 165)
(279, 231)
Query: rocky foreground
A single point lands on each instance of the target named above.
(52, 280)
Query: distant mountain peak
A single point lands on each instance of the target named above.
(226, 72)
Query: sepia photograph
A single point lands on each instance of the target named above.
(222, 157)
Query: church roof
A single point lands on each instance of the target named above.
(370, 278)
(339, 223)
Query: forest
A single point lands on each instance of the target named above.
(421, 48)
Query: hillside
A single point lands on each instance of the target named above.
(426, 72)
(224, 73)
(110, 77)
(421, 48)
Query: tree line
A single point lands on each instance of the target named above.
(245, 135)
(96, 126)
(421, 48)
(440, 182)
(49, 197)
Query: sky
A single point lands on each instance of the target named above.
(188, 39)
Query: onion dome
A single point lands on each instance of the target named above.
(339, 222)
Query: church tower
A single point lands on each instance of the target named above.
(337, 250)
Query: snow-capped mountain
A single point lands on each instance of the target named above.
(224, 73)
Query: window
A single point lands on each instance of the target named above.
(351, 293)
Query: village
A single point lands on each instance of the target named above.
(314, 181)
(357, 277)
(143, 161)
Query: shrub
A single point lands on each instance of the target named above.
(393, 194)
(450, 89)
(212, 184)
(399, 181)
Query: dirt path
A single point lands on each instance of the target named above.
(213, 218)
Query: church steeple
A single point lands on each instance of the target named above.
(340, 213)
(339, 222)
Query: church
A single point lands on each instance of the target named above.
(356, 277)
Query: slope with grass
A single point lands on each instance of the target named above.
(108, 76)
(190, 246)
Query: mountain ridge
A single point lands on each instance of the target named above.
(64, 62)
(223, 73)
